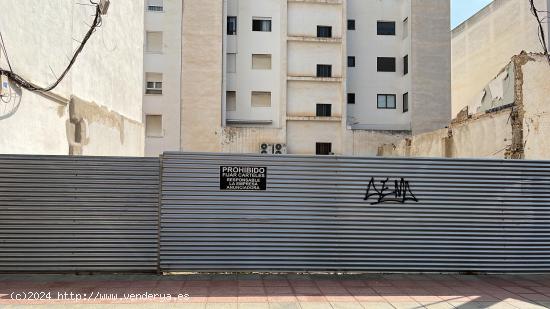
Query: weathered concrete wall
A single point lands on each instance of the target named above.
(248, 140)
(486, 136)
(366, 143)
(40, 37)
(202, 75)
(484, 44)
(519, 131)
(431, 71)
(536, 106)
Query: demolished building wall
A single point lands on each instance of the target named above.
(500, 130)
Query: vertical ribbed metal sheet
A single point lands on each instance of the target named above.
(472, 216)
(78, 214)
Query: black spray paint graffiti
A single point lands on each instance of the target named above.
(400, 194)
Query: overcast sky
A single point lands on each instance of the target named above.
(463, 9)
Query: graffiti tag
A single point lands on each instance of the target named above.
(400, 193)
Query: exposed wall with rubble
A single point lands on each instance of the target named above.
(512, 119)
(96, 110)
(484, 44)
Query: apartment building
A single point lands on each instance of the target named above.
(311, 77)
(162, 76)
(486, 42)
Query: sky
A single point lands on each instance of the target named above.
(464, 9)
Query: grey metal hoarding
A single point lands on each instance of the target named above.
(354, 214)
(78, 214)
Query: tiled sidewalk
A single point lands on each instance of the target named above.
(278, 291)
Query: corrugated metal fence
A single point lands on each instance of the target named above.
(420, 215)
(78, 214)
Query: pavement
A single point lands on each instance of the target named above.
(275, 291)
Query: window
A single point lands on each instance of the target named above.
(155, 5)
(323, 149)
(153, 83)
(351, 98)
(386, 64)
(351, 62)
(261, 99)
(261, 24)
(261, 62)
(231, 25)
(351, 24)
(386, 28)
(406, 28)
(153, 41)
(324, 32)
(405, 102)
(406, 65)
(386, 101)
(231, 63)
(324, 110)
(324, 70)
(153, 125)
(231, 101)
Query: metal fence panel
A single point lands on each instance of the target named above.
(470, 215)
(78, 214)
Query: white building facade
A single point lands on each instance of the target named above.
(314, 77)
(162, 76)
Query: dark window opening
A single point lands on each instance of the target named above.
(406, 65)
(231, 25)
(386, 64)
(324, 32)
(323, 149)
(386, 101)
(324, 70)
(351, 98)
(405, 102)
(351, 62)
(386, 28)
(324, 110)
(263, 25)
(351, 24)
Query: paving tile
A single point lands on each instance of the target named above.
(222, 306)
(276, 283)
(472, 305)
(535, 297)
(282, 299)
(293, 305)
(346, 305)
(317, 298)
(252, 299)
(253, 305)
(406, 305)
(436, 305)
(376, 305)
(315, 305)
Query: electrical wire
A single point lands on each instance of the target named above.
(4, 50)
(20, 81)
(541, 34)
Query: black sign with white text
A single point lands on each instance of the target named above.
(243, 178)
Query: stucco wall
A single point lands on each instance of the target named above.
(485, 43)
(536, 106)
(40, 37)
